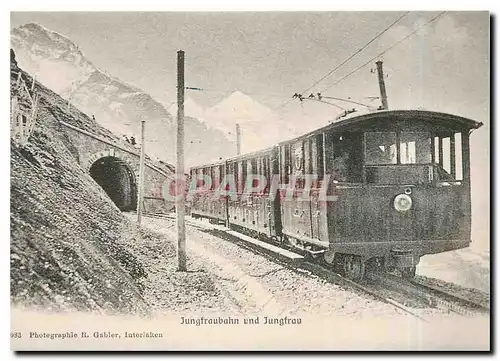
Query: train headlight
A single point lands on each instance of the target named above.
(402, 202)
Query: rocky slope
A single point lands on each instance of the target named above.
(64, 228)
(71, 247)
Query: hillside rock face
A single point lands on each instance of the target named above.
(60, 65)
(67, 236)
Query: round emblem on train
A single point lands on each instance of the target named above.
(403, 203)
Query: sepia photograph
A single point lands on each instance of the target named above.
(250, 181)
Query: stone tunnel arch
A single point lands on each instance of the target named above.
(117, 179)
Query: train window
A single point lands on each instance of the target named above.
(221, 174)
(436, 149)
(415, 148)
(215, 177)
(286, 164)
(341, 157)
(266, 172)
(380, 148)
(448, 156)
(199, 181)
(313, 169)
(252, 167)
(458, 156)
(243, 178)
(320, 166)
(315, 159)
(236, 169)
(308, 156)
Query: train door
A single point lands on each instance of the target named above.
(274, 168)
(296, 209)
(318, 207)
(221, 201)
(228, 171)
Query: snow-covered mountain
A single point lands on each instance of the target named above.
(52, 57)
(59, 64)
(260, 126)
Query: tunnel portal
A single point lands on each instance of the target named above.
(117, 180)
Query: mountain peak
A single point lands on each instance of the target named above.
(55, 59)
(239, 104)
(45, 36)
(240, 96)
(34, 26)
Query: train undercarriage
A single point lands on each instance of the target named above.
(351, 266)
(354, 266)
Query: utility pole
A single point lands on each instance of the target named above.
(383, 93)
(238, 139)
(140, 197)
(179, 169)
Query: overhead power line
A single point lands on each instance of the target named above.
(325, 102)
(356, 53)
(352, 56)
(385, 51)
(346, 100)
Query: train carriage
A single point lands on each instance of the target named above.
(249, 206)
(401, 180)
(398, 182)
(204, 201)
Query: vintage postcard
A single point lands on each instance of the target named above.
(250, 181)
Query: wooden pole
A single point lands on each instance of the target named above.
(238, 139)
(381, 83)
(140, 196)
(179, 169)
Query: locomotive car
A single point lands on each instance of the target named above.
(399, 187)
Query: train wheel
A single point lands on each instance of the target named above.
(354, 267)
(408, 272)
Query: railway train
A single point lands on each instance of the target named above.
(398, 183)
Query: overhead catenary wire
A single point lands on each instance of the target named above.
(385, 51)
(355, 53)
(351, 56)
(325, 102)
(346, 100)
(281, 96)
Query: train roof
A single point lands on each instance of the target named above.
(257, 153)
(252, 154)
(444, 120)
(219, 162)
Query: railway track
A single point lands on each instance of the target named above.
(432, 296)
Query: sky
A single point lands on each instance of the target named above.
(271, 55)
